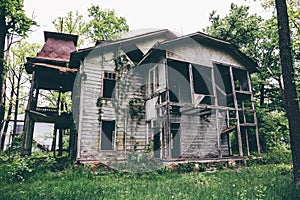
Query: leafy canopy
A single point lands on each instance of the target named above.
(15, 18)
(101, 24)
(104, 24)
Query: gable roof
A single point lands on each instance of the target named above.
(203, 38)
(127, 43)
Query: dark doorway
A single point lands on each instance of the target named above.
(108, 128)
(175, 134)
(156, 142)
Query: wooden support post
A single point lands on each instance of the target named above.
(246, 129)
(218, 134)
(228, 135)
(60, 132)
(54, 140)
(72, 143)
(247, 142)
(213, 81)
(60, 142)
(167, 146)
(28, 124)
(238, 128)
(254, 115)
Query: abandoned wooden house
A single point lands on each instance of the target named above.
(185, 97)
(181, 97)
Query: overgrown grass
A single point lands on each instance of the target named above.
(254, 182)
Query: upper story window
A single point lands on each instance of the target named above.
(240, 79)
(109, 84)
(153, 80)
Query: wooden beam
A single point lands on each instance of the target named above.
(246, 130)
(54, 141)
(28, 124)
(166, 137)
(60, 142)
(213, 81)
(254, 115)
(238, 128)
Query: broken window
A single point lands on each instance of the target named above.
(179, 81)
(107, 134)
(153, 80)
(109, 84)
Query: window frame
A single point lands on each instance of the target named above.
(112, 76)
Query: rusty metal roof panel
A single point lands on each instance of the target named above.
(57, 49)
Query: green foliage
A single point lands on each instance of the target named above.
(255, 182)
(258, 38)
(139, 163)
(273, 129)
(15, 77)
(278, 155)
(16, 20)
(186, 167)
(72, 23)
(136, 109)
(220, 166)
(18, 169)
(104, 24)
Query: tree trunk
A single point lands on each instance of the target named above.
(3, 31)
(262, 94)
(16, 106)
(9, 112)
(289, 92)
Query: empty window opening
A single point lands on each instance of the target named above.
(240, 79)
(179, 82)
(223, 85)
(107, 135)
(202, 80)
(109, 84)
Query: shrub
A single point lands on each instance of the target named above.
(140, 163)
(186, 167)
(278, 155)
(17, 170)
(219, 166)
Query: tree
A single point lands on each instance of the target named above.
(12, 21)
(72, 23)
(102, 24)
(15, 82)
(289, 93)
(258, 38)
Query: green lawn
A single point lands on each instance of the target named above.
(255, 182)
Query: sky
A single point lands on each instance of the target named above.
(181, 16)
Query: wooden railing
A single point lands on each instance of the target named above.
(47, 110)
